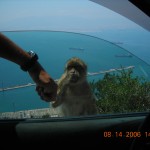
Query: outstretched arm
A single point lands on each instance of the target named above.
(45, 85)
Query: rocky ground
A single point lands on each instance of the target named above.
(35, 113)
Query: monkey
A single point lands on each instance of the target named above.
(74, 95)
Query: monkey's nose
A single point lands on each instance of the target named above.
(73, 71)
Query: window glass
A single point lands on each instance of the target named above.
(119, 80)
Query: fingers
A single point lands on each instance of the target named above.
(45, 94)
(46, 86)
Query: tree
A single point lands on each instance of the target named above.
(121, 92)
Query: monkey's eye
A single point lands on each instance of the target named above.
(76, 67)
(69, 67)
(79, 68)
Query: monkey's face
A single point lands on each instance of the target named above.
(74, 73)
(76, 70)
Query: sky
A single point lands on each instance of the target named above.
(74, 15)
(80, 16)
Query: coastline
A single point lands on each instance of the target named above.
(34, 113)
(17, 87)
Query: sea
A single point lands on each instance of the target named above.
(54, 48)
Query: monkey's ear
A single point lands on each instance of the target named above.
(66, 66)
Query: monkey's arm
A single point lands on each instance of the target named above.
(57, 102)
(62, 86)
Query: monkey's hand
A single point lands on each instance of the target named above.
(57, 102)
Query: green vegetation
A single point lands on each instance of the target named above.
(122, 92)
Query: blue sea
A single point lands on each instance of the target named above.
(54, 49)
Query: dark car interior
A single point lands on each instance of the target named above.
(127, 131)
(118, 131)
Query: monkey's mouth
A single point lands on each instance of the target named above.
(73, 79)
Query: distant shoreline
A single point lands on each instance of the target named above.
(88, 74)
(17, 87)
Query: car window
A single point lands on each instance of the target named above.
(118, 76)
(118, 79)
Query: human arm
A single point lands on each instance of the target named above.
(45, 85)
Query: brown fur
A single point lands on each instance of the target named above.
(74, 96)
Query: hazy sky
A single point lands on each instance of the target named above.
(75, 16)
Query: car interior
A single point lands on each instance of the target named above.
(125, 130)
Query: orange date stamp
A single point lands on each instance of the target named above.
(127, 134)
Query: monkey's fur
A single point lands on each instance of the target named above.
(74, 96)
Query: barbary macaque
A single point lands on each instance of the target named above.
(74, 95)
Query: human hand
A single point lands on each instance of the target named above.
(46, 87)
